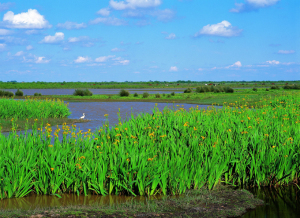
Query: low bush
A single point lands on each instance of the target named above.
(145, 95)
(228, 89)
(157, 95)
(188, 90)
(124, 92)
(200, 89)
(163, 94)
(6, 94)
(275, 87)
(19, 93)
(172, 93)
(37, 94)
(254, 89)
(81, 92)
(267, 89)
(135, 95)
(168, 96)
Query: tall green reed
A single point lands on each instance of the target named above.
(164, 153)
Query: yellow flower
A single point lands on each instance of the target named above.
(95, 138)
(273, 146)
(51, 169)
(128, 159)
(105, 115)
(203, 137)
(50, 145)
(195, 129)
(229, 130)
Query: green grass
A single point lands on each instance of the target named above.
(33, 108)
(168, 152)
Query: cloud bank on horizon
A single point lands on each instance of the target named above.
(142, 40)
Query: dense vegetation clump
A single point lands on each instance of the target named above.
(254, 89)
(6, 94)
(188, 90)
(275, 87)
(173, 93)
(37, 94)
(136, 95)
(19, 93)
(291, 87)
(31, 108)
(157, 95)
(145, 95)
(81, 92)
(124, 92)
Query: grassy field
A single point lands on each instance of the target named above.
(127, 85)
(208, 98)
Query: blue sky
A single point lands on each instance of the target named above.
(142, 40)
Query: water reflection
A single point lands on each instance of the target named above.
(94, 91)
(281, 202)
(34, 201)
(95, 111)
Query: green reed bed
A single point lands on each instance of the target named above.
(165, 152)
(33, 108)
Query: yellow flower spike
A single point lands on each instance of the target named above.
(105, 115)
(95, 138)
(51, 169)
(195, 129)
(273, 146)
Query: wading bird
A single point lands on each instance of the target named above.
(82, 116)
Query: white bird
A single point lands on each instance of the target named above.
(82, 116)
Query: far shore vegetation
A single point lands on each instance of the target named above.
(138, 85)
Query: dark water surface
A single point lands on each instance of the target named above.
(94, 91)
(281, 202)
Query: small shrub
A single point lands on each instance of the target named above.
(145, 95)
(217, 90)
(157, 95)
(206, 89)
(228, 90)
(123, 93)
(168, 96)
(200, 90)
(37, 94)
(173, 93)
(188, 90)
(19, 93)
(6, 94)
(254, 89)
(136, 95)
(267, 89)
(81, 92)
(275, 87)
(163, 94)
(211, 88)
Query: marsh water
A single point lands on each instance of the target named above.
(282, 202)
(95, 91)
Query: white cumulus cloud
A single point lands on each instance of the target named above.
(59, 36)
(286, 52)
(29, 47)
(116, 50)
(5, 32)
(31, 19)
(73, 39)
(113, 21)
(251, 5)
(19, 53)
(224, 29)
(71, 25)
(273, 62)
(41, 60)
(104, 58)
(171, 36)
(82, 59)
(104, 12)
(173, 69)
(2, 46)
(133, 4)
